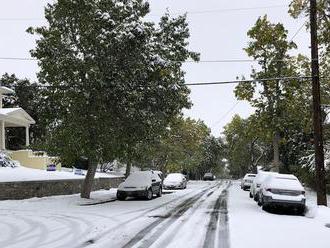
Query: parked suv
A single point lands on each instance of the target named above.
(283, 190)
(140, 184)
(247, 181)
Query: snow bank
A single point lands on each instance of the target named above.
(250, 226)
(21, 173)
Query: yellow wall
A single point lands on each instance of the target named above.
(28, 159)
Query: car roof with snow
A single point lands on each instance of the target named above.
(250, 175)
(283, 181)
(262, 175)
(174, 176)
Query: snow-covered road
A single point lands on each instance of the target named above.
(195, 217)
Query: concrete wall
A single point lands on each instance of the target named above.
(29, 189)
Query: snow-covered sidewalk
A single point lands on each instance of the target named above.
(250, 226)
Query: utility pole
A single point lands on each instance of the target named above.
(317, 118)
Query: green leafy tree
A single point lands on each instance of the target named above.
(213, 155)
(115, 78)
(273, 98)
(245, 146)
(184, 147)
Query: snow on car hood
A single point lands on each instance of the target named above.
(174, 178)
(137, 179)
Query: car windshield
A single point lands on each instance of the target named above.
(174, 177)
(138, 177)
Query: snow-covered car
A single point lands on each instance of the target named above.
(140, 184)
(208, 176)
(282, 190)
(247, 181)
(255, 186)
(160, 174)
(175, 181)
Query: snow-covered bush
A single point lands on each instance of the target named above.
(6, 161)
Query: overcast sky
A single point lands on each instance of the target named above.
(218, 32)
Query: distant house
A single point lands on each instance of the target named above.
(18, 117)
(13, 117)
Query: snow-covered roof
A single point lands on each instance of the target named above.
(15, 117)
(6, 90)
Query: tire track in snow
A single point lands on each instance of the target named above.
(217, 234)
(38, 230)
(144, 212)
(164, 224)
(12, 232)
(164, 236)
(36, 233)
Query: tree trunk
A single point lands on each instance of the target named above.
(276, 160)
(89, 179)
(128, 169)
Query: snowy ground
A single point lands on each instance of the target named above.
(250, 226)
(195, 218)
(21, 173)
(179, 219)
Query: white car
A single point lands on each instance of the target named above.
(255, 186)
(175, 181)
(282, 190)
(247, 181)
(140, 184)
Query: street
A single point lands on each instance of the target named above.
(177, 219)
(195, 217)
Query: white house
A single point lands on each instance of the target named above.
(13, 117)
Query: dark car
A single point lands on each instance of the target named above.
(208, 177)
(140, 184)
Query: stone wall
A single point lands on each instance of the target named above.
(29, 189)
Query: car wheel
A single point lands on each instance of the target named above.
(301, 210)
(265, 207)
(121, 197)
(149, 194)
(255, 197)
(159, 192)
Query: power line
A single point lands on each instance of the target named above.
(298, 31)
(188, 61)
(249, 81)
(22, 19)
(210, 11)
(197, 12)
(225, 115)
(18, 58)
(222, 61)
